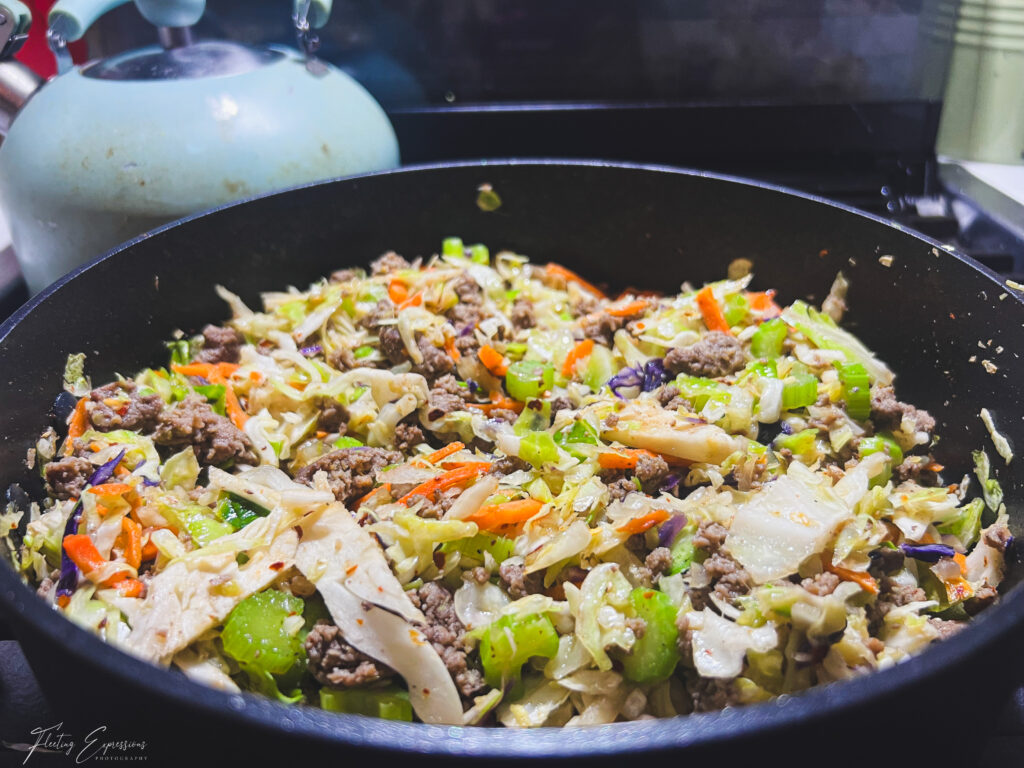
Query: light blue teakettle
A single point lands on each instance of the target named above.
(112, 148)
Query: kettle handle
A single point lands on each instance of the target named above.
(317, 15)
(69, 19)
(15, 19)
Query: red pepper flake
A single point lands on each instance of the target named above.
(823, 253)
(351, 569)
(276, 566)
(952, 316)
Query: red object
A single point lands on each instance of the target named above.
(36, 54)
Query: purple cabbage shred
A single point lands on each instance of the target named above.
(68, 570)
(105, 471)
(670, 529)
(627, 378)
(929, 553)
(654, 374)
(315, 349)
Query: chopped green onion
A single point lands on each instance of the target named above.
(452, 246)
(533, 420)
(215, 394)
(856, 390)
(682, 550)
(736, 308)
(802, 444)
(254, 633)
(767, 340)
(391, 703)
(364, 351)
(538, 448)
(487, 199)
(180, 352)
(238, 512)
(699, 390)
(526, 379)
(479, 254)
(347, 442)
(655, 655)
(515, 350)
(798, 390)
(882, 443)
(499, 547)
(356, 393)
(508, 643)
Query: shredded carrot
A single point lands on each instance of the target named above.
(130, 540)
(320, 434)
(451, 349)
(711, 311)
(233, 408)
(491, 517)
(128, 587)
(442, 482)
(625, 310)
(962, 562)
(413, 301)
(763, 301)
(493, 360)
(445, 452)
(577, 353)
(498, 402)
(642, 523)
(397, 291)
(110, 489)
(627, 458)
(149, 550)
(483, 466)
(299, 385)
(213, 372)
(935, 467)
(77, 426)
(84, 554)
(865, 580)
(568, 275)
(102, 511)
(363, 499)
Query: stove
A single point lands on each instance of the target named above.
(877, 157)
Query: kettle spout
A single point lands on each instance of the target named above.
(17, 84)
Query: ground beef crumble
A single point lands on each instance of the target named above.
(518, 583)
(220, 345)
(351, 472)
(716, 354)
(119, 406)
(447, 634)
(335, 663)
(66, 478)
(215, 440)
(887, 412)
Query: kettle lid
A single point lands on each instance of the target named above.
(205, 58)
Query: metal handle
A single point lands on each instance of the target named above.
(17, 84)
(15, 19)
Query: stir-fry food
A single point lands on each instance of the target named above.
(473, 490)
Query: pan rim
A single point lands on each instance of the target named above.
(704, 729)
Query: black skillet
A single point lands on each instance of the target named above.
(933, 315)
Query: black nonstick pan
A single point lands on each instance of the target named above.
(932, 314)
